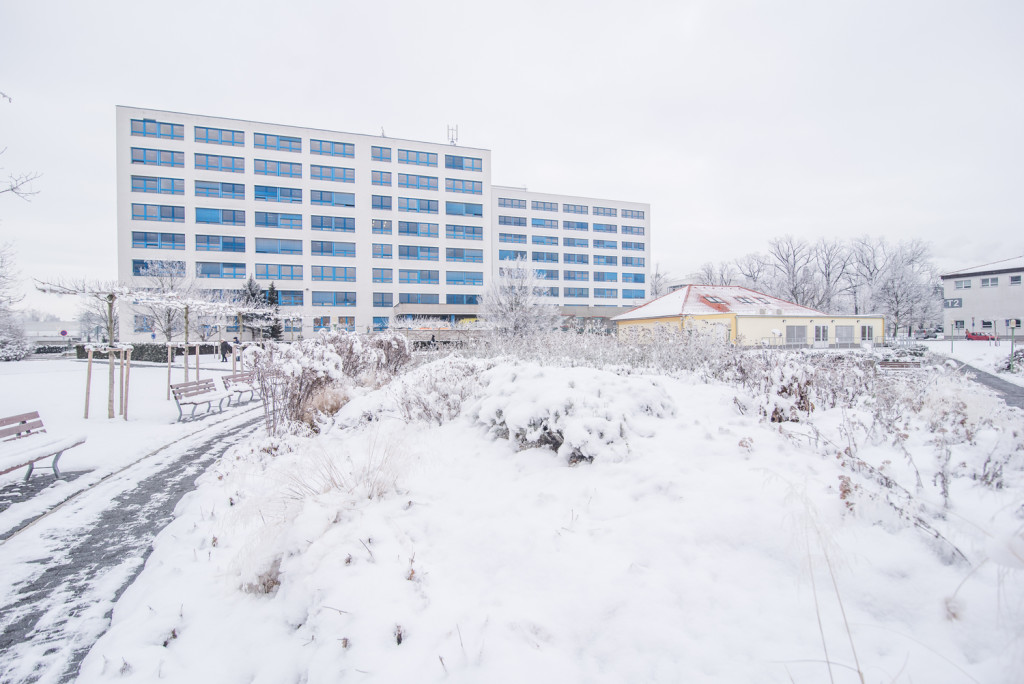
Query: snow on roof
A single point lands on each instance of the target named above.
(1012, 264)
(701, 300)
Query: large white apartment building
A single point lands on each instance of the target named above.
(354, 230)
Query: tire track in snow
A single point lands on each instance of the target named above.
(52, 620)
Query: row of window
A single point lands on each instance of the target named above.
(985, 282)
(144, 267)
(223, 243)
(149, 128)
(568, 258)
(512, 203)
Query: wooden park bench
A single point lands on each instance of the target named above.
(898, 365)
(198, 392)
(24, 440)
(239, 384)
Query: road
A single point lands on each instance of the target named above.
(70, 567)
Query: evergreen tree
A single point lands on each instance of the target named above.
(251, 296)
(276, 329)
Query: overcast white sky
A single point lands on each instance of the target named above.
(737, 121)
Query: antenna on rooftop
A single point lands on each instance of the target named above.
(453, 134)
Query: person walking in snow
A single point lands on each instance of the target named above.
(224, 349)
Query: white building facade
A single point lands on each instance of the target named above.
(984, 299)
(353, 230)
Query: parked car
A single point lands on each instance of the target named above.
(978, 336)
(925, 335)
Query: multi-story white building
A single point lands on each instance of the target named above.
(354, 230)
(984, 299)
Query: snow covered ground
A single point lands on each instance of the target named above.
(56, 389)
(987, 355)
(435, 530)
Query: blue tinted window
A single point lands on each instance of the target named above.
(338, 273)
(215, 162)
(452, 161)
(601, 260)
(547, 274)
(417, 253)
(158, 212)
(338, 249)
(380, 226)
(544, 240)
(462, 299)
(383, 299)
(267, 167)
(277, 142)
(633, 230)
(334, 199)
(277, 246)
(420, 229)
(269, 193)
(605, 244)
(518, 238)
(508, 203)
(606, 293)
(511, 220)
(575, 208)
(632, 294)
(160, 186)
(635, 262)
(216, 269)
(575, 225)
(267, 219)
(464, 277)
(380, 178)
(466, 186)
(229, 217)
(152, 267)
(344, 224)
(417, 298)
(574, 242)
(381, 251)
(382, 275)
(409, 180)
(635, 246)
(575, 291)
(463, 209)
(605, 211)
(338, 174)
(158, 240)
(576, 275)
(421, 206)
(418, 158)
(150, 128)
(333, 149)
(545, 257)
(633, 277)
(216, 189)
(606, 228)
(142, 155)
(464, 232)
(544, 223)
(462, 254)
(380, 202)
(278, 272)
(418, 276)
(380, 153)
(220, 243)
(606, 276)
(544, 206)
(634, 214)
(220, 136)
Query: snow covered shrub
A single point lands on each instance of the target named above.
(13, 345)
(1013, 363)
(436, 392)
(290, 375)
(369, 359)
(395, 352)
(580, 414)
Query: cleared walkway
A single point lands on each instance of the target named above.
(1012, 394)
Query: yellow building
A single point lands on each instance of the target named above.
(751, 318)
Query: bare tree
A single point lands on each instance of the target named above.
(515, 305)
(904, 289)
(659, 282)
(791, 273)
(13, 345)
(831, 262)
(101, 295)
(164, 278)
(18, 185)
(722, 273)
(753, 269)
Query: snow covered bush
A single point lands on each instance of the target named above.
(436, 392)
(581, 414)
(289, 376)
(13, 345)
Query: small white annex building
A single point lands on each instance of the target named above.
(984, 299)
(752, 318)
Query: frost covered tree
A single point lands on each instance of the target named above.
(659, 282)
(251, 297)
(18, 185)
(101, 297)
(515, 304)
(165, 278)
(13, 345)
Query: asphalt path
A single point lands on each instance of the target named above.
(1012, 394)
(80, 563)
